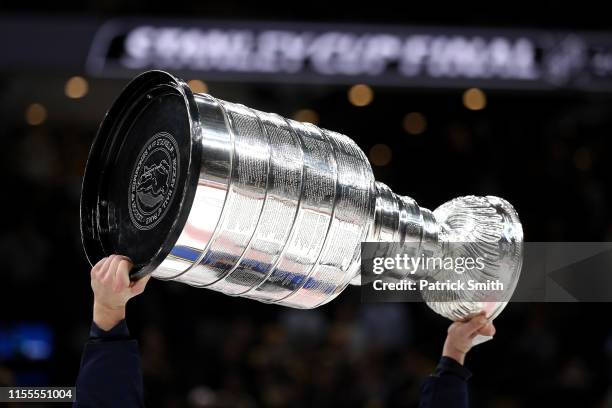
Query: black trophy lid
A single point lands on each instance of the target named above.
(141, 173)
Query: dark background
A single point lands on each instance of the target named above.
(545, 152)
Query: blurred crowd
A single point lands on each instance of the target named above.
(371, 356)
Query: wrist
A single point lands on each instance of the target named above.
(107, 317)
(454, 353)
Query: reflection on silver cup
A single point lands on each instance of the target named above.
(218, 195)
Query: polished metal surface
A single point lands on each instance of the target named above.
(281, 207)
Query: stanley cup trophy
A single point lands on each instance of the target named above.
(221, 196)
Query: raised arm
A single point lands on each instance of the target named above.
(110, 374)
(447, 387)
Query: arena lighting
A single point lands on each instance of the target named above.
(215, 194)
(76, 87)
(306, 115)
(35, 114)
(380, 155)
(197, 86)
(474, 99)
(360, 95)
(414, 123)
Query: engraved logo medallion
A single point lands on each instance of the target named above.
(153, 181)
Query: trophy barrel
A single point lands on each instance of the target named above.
(218, 195)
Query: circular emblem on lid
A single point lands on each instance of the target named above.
(153, 181)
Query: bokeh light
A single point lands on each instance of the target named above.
(414, 123)
(474, 99)
(360, 95)
(198, 86)
(76, 87)
(380, 155)
(35, 114)
(306, 115)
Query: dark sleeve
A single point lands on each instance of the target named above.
(110, 374)
(447, 387)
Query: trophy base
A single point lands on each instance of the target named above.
(141, 175)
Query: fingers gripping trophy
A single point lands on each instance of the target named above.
(221, 196)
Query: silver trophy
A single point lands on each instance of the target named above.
(221, 196)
